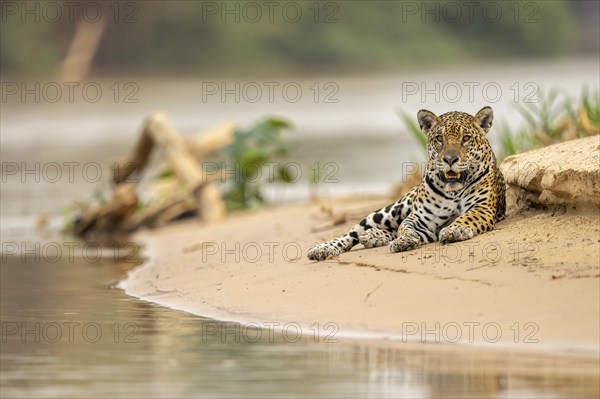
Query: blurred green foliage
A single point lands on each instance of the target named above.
(555, 117)
(247, 157)
(414, 129)
(345, 36)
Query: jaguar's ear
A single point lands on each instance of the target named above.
(484, 118)
(426, 119)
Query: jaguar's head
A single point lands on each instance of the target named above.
(456, 145)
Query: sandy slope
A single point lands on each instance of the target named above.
(532, 283)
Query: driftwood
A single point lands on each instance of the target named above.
(205, 144)
(192, 191)
(174, 206)
(181, 158)
(110, 216)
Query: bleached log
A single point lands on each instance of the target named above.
(183, 157)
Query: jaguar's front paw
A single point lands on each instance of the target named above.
(455, 233)
(376, 238)
(404, 242)
(323, 251)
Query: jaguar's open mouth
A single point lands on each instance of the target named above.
(452, 177)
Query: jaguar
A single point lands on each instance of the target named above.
(462, 192)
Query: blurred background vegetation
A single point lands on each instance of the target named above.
(157, 37)
(352, 44)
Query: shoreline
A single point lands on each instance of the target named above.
(186, 272)
(410, 341)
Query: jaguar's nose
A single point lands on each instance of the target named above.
(450, 159)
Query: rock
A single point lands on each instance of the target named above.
(566, 173)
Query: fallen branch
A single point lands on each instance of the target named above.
(182, 156)
(197, 193)
(110, 216)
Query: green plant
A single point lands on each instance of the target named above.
(246, 158)
(414, 129)
(511, 142)
(554, 118)
(542, 116)
(68, 220)
(590, 103)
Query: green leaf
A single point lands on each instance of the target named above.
(254, 157)
(285, 176)
(279, 123)
(68, 220)
(164, 174)
(414, 130)
(268, 131)
(247, 154)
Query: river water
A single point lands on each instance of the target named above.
(67, 332)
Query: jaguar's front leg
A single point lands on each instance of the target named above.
(417, 229)
(334, 247)
(476, 221)
(456, 232)
(376, 237)
(412, 233)
(407, 240)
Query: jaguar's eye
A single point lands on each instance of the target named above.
(466, 138)
(439, 139)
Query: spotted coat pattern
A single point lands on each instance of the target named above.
(462, 193)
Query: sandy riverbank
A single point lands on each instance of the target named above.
(533, 283)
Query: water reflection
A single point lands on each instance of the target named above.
(114, 345)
